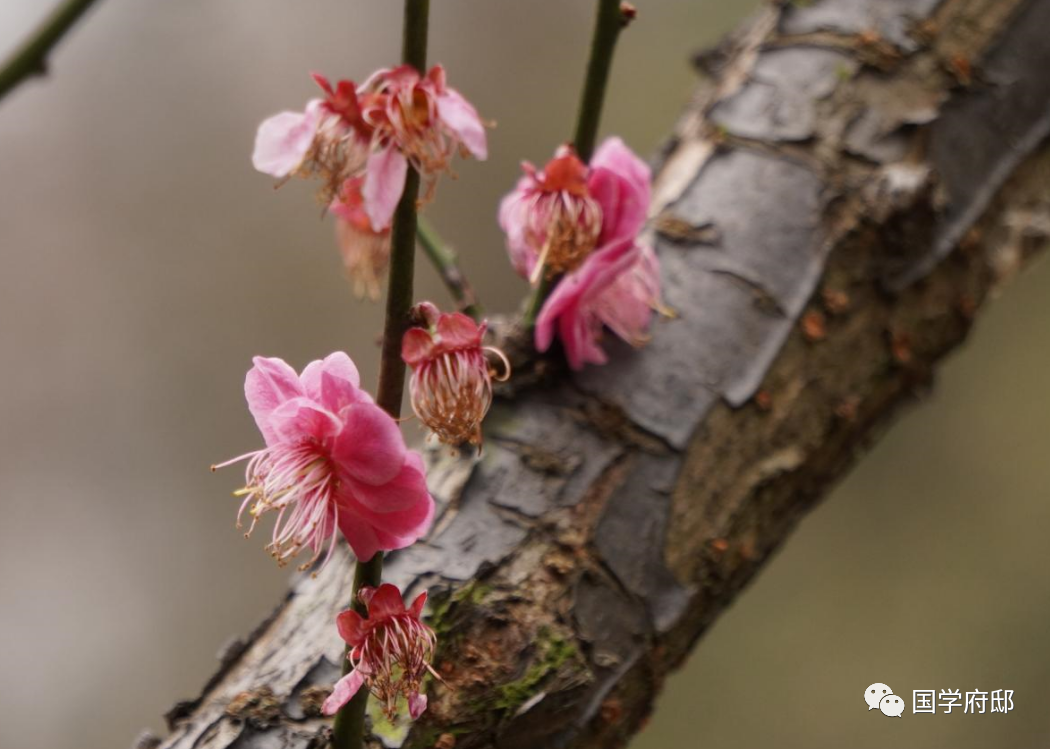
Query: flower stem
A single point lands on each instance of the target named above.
(607, 25)
(31, 58)
(445, 262)
(539, 296)
(349, 728)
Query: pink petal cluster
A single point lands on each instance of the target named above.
(333, 460)
(418, 120)
(617, 283)
(390, 651)
(395, 118)
(451, 385)
(617, 287)
(365, 251)
(329, 139)
(559, 215)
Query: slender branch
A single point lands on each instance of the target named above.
(539, 296)
(607, 27)
(399, 297)
(348, 730)
(606, 31)
(446, 263)
(31, 58)
(403, 235)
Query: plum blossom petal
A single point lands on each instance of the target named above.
(462, 119)
(416, 609)
(624, 207)
(570, 305)
(370, 448)
(340, 367)
(513, 220)
(389, 517)
(269, 383)
(384, 183)
(417, 704)
(416, 345)
(334, 382)
(365, 251)
(406, 492)
(301, 418)
(456, 330)
(362, 538)
(385, 601)
(627, 307)
(351, 626)
(343, 691)
(283, 141)
(614, 155)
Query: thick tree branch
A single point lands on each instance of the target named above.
(31, 58)
(835, 206)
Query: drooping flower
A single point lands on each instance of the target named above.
(395, 119)
(329, 139)
(390, 650)
(555, 218)
(451, 385)
(365, 251)
(617, 287)
(417, 120)
(333, 460)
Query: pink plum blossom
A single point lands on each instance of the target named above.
(390, 650)
(365, 251)
(333, 460)
(451, 385)
(555, 218)
(585, 221)
(397, 118)
(328, 139)
(417, 120)
(618, 286)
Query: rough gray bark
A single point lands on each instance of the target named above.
(845, 190)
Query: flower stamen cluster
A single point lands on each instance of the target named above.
(451, 384)
(390, 651)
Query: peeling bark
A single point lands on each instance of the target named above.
(846, 189)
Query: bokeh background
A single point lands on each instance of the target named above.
(143, 262)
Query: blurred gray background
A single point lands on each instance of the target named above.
(143, 262)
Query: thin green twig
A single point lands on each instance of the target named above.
(446, 264)
(31, 58)
(607, 25)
